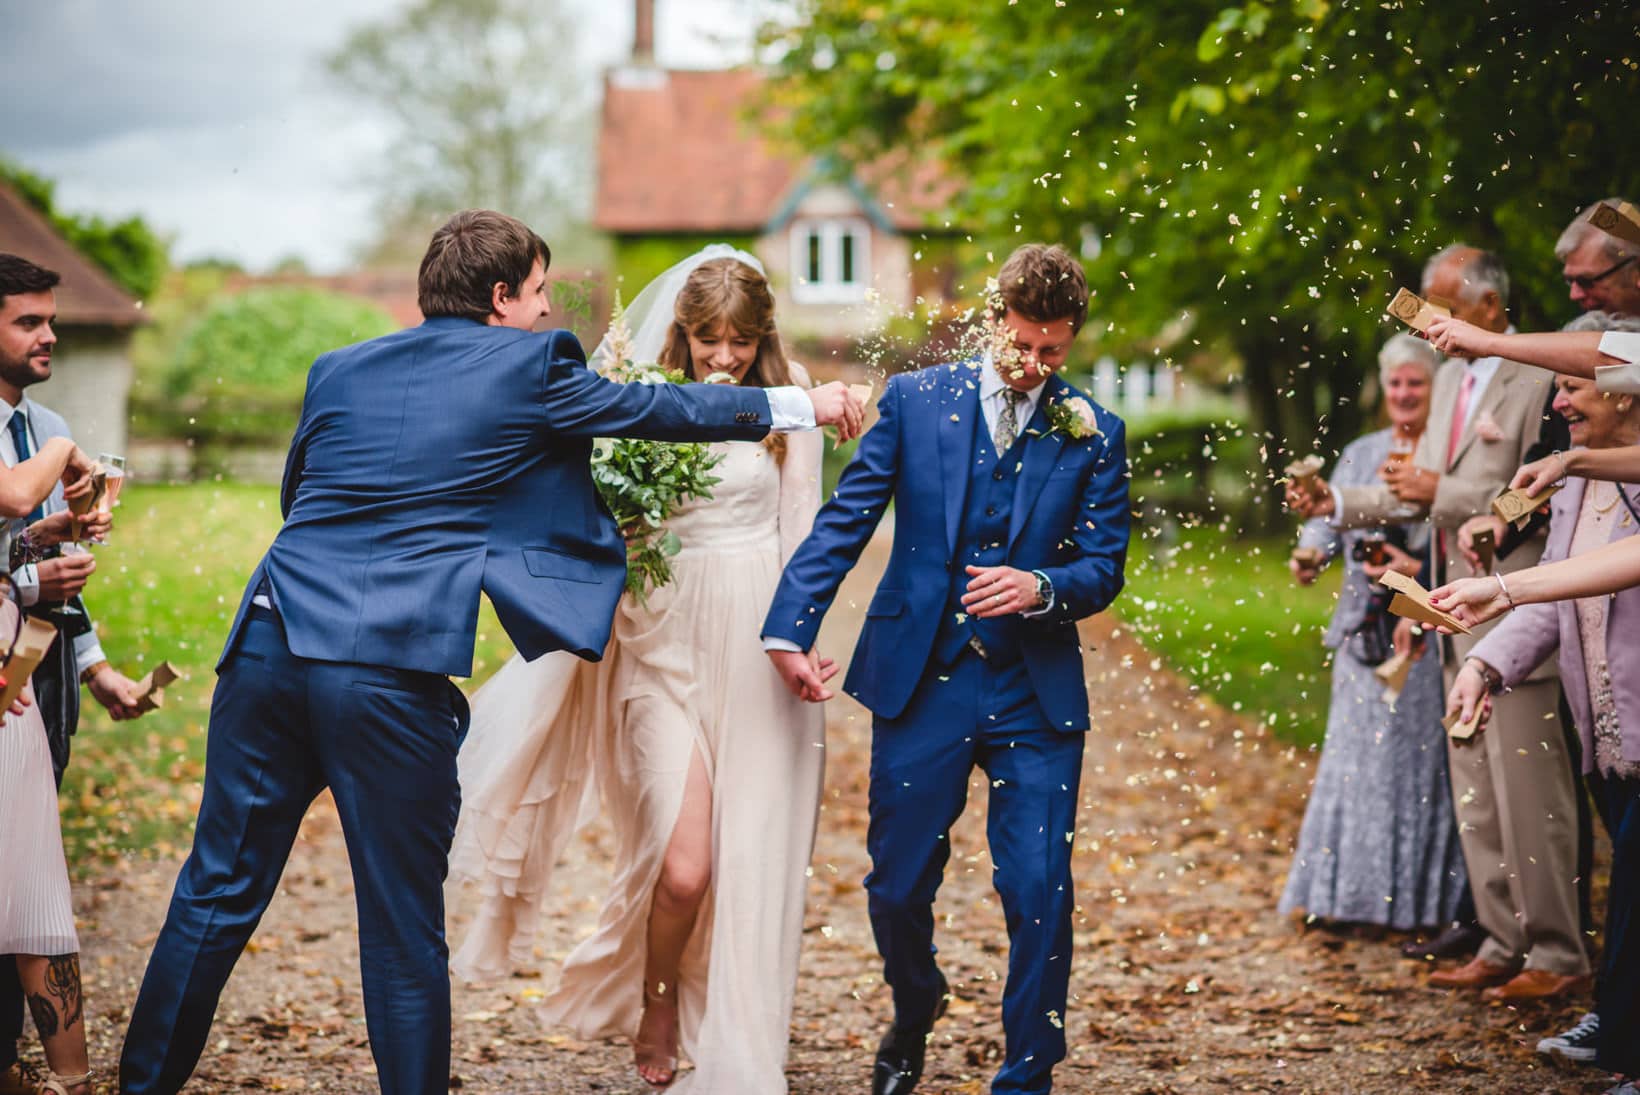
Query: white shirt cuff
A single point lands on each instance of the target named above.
(27, 580)
(789, 409)
(1338, 507)
(88, 651)
(772, 643)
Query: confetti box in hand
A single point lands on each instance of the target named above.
(1462, 731)
(1517, 507)
(1412, 601)
(1415, 311)
(32, 644)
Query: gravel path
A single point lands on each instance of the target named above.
(1185, 980)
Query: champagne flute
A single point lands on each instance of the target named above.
(113, 467)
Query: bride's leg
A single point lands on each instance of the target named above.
(52, 988)
(686, 873)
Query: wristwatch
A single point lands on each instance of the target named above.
(1044, 589)
(1493, 679)
(91, 671)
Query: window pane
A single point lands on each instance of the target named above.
(847, 275)
(814, 257)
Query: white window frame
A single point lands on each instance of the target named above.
(831, 288)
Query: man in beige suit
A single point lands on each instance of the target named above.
(1511, 787)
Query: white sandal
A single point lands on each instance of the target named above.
(54, 1084)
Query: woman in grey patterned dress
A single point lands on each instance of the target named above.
(1379, 844)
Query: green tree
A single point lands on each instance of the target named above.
(489, 107)
(1248, 182)
(128, 250)
(239, 373)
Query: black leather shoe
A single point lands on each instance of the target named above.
(900, 1053)
(1457, 941)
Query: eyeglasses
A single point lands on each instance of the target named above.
(1586, 282)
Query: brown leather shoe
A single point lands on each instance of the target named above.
(1537, 985)
(1477, 974)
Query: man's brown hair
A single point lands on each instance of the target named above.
(1043, 283)
(473, 251)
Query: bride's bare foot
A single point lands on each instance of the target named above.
(656, 1046)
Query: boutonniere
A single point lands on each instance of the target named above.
(1072, 417)
(1486, 428)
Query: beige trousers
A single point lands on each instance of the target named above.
(1517, 820)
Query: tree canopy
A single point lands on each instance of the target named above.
(489, 107)
(1247, 182)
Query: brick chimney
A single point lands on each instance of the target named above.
(643, 32)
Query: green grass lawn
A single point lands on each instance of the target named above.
(167, 585)
(1225, 614)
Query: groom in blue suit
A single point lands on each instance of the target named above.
(1010, 524)
(427, 465)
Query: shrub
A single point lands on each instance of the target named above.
(239, 373)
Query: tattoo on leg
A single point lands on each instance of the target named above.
(63, 982)
(45, 1016)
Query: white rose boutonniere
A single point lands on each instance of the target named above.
(1072, 417)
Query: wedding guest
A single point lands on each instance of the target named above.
(36, 921)
(1011, 523)
(1378, 845)
(1598, 643)
(37, 933)
(708, 768)
(1602, 271)
(1512, 790)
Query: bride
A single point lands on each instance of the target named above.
(708, 769)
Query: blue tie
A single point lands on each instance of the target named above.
(18, 425)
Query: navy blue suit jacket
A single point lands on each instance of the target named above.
(451, 458)
(1069, 520)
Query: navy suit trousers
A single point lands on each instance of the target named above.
(1617, 988)
(970, 713)
(282, 729)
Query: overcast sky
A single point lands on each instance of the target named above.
(216, 122)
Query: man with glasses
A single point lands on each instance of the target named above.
(1602, 272)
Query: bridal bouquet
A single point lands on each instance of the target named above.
(644, 482)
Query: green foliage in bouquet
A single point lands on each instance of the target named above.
(644, 482)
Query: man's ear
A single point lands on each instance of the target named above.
(501, 299)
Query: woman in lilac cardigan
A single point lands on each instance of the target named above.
(1598, 640)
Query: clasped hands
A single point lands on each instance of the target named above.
(835, 405)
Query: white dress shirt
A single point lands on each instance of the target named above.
(88, 650)
(991, 390)
(1619, 379)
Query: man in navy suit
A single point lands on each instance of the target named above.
(1010, 524)
(427, 465)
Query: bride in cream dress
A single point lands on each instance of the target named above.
(708, 770)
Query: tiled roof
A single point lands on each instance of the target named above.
(86, 294)
(679, 151)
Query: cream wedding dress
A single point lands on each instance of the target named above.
(686, 671)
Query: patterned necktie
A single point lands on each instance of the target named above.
(18, 425)
(1008, 421)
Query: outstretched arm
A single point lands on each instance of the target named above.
(1575, 353)
(1609, 569)
(579, 403)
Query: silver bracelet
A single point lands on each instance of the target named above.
(1503, 589)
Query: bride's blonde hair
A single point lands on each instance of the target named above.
(728, 289)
